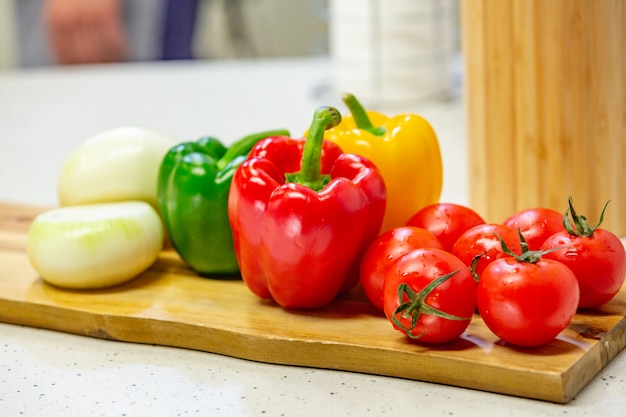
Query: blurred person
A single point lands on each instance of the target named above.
(100, 31)
(85, 31)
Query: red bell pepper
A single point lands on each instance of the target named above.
(302, 214)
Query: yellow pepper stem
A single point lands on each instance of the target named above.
(359, 114)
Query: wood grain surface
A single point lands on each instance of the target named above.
(170, 305)
(545, 90)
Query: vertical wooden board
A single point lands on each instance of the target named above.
(550, 47)
(618, 224)
(489, 91)
(618, 143)
(473, 44)
(607, 115)
(599, 99)
(592, 120)
(500, 161)
(529, 145)
(573, 158)
(546, 101)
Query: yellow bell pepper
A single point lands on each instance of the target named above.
(405, 149)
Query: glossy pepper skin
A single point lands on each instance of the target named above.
(405, 149)
(192, 195)
(302, 213)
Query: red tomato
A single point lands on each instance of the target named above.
(536, 225)
(598, 262)
(383, 251)
(596, 256)
(430, 296)
(446, 221)
(483, 239)
(527, 304)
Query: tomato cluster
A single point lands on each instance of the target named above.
(526, 277)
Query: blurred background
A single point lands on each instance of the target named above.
(399, 50)
(224, 29)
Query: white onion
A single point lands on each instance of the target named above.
(115, 165)
(94, 246)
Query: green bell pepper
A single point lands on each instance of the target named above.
(192, 196)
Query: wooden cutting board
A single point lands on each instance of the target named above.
(169, 305)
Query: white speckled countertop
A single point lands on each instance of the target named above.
(45, 114)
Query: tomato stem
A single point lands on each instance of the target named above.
(528, 256)
(416, 305)
(580, 228)
(474, 265)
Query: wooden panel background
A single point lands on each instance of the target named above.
(545, 88)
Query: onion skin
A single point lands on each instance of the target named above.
(94, 246)
(120, 164)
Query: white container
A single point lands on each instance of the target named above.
(393, 51)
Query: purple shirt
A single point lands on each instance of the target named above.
(178, 29)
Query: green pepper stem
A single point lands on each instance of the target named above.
(310, 173)
(359, 114)
(245, 144)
